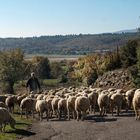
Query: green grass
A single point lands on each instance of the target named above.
(50, 82)
(20, 131)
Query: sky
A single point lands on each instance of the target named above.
(26, 18)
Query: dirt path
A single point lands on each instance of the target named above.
(94, 128)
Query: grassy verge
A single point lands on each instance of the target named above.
(20, 131)
(50, 82)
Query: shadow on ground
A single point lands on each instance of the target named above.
(57, 120)
(22, 132)
(97, 118)
(130, 113)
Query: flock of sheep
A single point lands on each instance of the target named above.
(69, 103)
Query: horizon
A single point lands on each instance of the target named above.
(66, 17)
(116, 32)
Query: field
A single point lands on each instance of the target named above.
(55, 57)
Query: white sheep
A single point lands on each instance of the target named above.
(10, 102)
(109, 98)
(111, 89)
(62, 108)
(71, 106)
(129, 97)
(6, 118)
(40, 97)
(93, 101)
(50, 110)
(28, 104)
(82, 104)
(41, 107)
(20, 98)
(137, 90)
(103, 102)
(54, 104)
(116, 100)
(136, 105)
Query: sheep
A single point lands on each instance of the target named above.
(82, 104)
(50, 110)
(109, 98)
(121, 91)
(31, 95)
(29, 105)
(129, 96)
(103, 102)
(71, 106)
(10, 102)
(3, 105)
(6, 118)
(111, 89)
(40, 97)
(54, 104)
(41, 107)
(3, 98)
(45, 97)
(62, 107)
(93, 100)
(136, 105)
(116, 100)
(138, 90)
(20, 98)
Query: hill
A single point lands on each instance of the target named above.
(127, 31)
(68, 44)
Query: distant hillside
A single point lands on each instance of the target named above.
(127, 31)
(69, 44)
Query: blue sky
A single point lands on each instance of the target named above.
(21, 18)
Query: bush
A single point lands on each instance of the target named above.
(91, 78)
(134, 72)
(63, 79)
(11, 69)
(56, 70)
(129, 53)
(41, 66)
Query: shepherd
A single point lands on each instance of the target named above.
(33, 83)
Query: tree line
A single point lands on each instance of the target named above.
(67, 45)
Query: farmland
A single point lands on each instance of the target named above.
(55, 57)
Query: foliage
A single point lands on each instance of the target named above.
(134, 72)
(138, 58)
(41, 66)
(88, 68)
(11, 68)
(129, 53)
(63, 78)
(56, 70)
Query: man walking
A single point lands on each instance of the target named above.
(33, 83)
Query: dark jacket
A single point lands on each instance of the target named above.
(33, 84)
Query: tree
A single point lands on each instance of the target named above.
(41, 66)
(56, 69)
(129, 54)
(11, 69)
